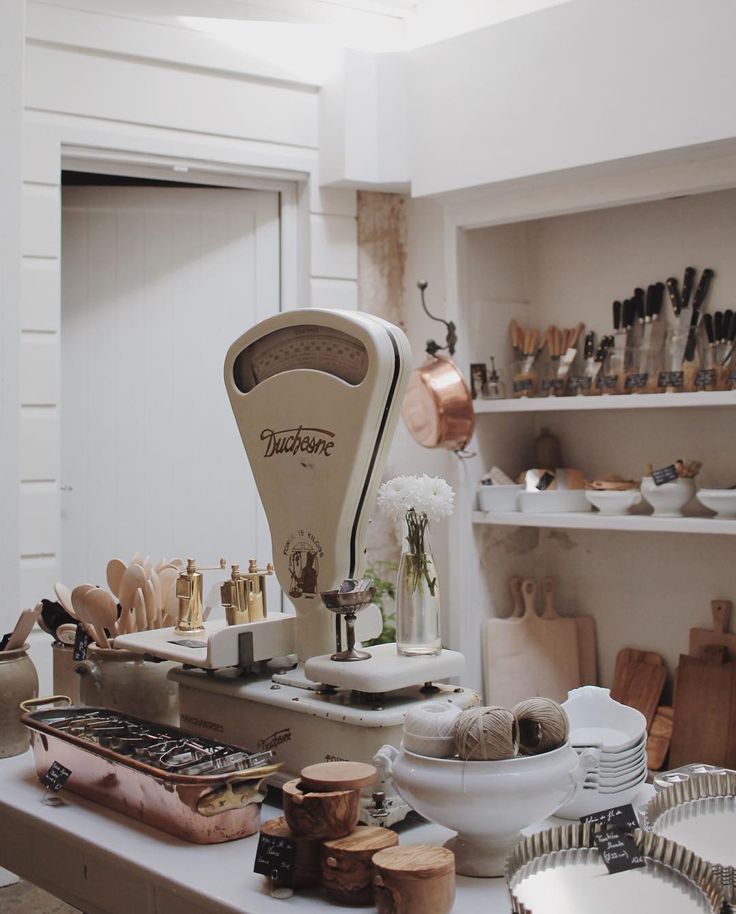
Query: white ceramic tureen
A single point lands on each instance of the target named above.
(486, 803)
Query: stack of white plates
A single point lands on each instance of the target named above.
(612, 738)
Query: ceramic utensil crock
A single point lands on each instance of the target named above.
(18, 682)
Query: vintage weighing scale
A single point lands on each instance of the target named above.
(316, 395)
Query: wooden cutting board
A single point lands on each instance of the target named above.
(704, 725)
(638, 681)
(660, 737)
(719, 634)
(529, 656)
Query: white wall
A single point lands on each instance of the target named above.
(574, 84)
(11, 109)
(138, 94)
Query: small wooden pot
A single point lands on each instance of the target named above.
(306, 872)
(418, 879)
(323, 815)
(347, 863)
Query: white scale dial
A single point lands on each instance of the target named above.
(308, 346)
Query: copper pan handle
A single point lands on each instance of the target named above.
(46, 700)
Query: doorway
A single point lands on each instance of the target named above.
(157, 282)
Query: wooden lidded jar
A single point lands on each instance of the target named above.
(306, 870)
(414, 879)
(347, 863)
(320, 814)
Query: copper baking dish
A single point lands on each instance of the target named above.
(204, 808)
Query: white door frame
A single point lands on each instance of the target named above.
(291, 187)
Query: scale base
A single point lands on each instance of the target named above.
(304, 727)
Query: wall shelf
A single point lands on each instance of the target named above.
(619, 401)
(592, 520)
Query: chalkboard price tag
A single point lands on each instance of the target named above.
(618, 816)
(522, 384)
(637, 381)
(55, 777)
(275, 858)
(705, 377)
(619, 852)
(580, 383)
(670, 379)
(81, 642)
(188, 642)
(606, 381)
(663, 475)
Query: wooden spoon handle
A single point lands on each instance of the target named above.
(548, 590)
(529, 592)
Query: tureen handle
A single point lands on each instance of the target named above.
(384, 760)
(587, 761)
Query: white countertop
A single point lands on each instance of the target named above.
(105, 863)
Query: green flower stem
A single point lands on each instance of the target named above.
(418, 565)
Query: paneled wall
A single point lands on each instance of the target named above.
(138, 94)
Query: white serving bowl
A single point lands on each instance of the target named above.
(585, 802)
(558, 501)
(609, 501)
(670, 498)
(722, 501)
(486, 803)
(597, 720)
(499, 498)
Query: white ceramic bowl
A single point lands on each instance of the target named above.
(609, 501)
(670, 498)
(585, 802)
(558, 501)
(722, 501)
(499, 498)
(486, 803)
(597, 720)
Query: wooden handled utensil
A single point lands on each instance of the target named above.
(26, 620)
(139, 605)
(102, 609)
(80, 608)
(115, 571)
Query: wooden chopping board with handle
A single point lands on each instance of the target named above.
(638, 681)
(704, 725)
(529, 656)
(719, 634)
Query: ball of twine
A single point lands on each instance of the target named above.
(543, 725)
(486, 734)
(428, 729)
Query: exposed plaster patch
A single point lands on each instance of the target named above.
(382, 254)
(520, 541)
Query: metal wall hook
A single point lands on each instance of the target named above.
(432, 348)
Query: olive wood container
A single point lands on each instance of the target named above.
(347, 863)
(306, 871)
(320, 815)
(417, 879)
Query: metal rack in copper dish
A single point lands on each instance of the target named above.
(189, 786)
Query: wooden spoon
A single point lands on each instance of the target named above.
(157, 597)
(115, 571)
(139, 604)
(80, 607)
(101, 608)
(149, 601)
(64, 596)
(133, 579)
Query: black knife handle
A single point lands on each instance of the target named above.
(617, 315)
(589, 345)
(709, 330)
(673, 290)
(687, 286)
(658, 298)
(639, 307)
(702, 290)
(651, 295)
(718, 325)
(729, 324)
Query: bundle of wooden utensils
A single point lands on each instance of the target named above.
(142, 596)
(318, 842)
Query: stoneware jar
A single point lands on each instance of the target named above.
(18, 682)
(125, 682)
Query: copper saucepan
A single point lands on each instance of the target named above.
(438, 407)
